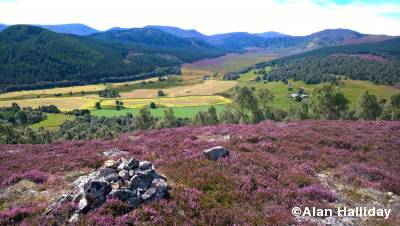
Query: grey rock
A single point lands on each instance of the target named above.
(114, 153)
(149, 194)
(96, 189)
(112, 177)
(145, 173)
(104, 172)
(137, 182)
(133, 163)
(145, 165)
(82, 180)
(131, 173)
(122, 194)
(216, 153)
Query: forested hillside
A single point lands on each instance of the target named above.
(33, 57)
(378, 62)
(149, 40)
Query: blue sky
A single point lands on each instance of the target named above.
(295, 17)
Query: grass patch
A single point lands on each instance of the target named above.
(187, 101)
(182, 112)
(352, 89)
(63, 103)
(53, 121)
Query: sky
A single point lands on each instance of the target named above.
(294, 17)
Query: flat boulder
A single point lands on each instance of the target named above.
(216, 153)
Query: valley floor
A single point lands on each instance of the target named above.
(272, 168)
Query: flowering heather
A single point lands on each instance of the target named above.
(271, 168)
(32, 175)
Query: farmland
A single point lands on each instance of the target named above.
(53, 121)
(231, 62)
(183, 112)
(209, 87)
(187, 101)
(352, 89)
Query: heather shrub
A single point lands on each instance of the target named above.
(17, 214)
(35, 175)
(317, 192)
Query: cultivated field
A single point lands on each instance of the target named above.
(53, 121)
(183, 112)
(230, 62)
(63, 103)
(209, 87)
(53, 91)
(187, 101)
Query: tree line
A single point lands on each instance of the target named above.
(248, 106)
(315, 70)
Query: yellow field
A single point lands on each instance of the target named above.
(189, 73)
(63, 103)
(66, 90)
(170, 101)
(206, 88)
(73, 89)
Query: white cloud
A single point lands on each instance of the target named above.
(208, 16)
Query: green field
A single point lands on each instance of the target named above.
(352, 89)
(159, 112)
(53, 121)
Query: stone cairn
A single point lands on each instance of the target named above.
(131, 181)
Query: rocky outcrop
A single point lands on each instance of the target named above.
(132, 181)
(216, 153)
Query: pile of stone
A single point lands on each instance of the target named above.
(131, 181)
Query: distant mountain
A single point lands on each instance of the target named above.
(117, 29)
(2, 27)
(33, 57)
(180, 32)
(75, 29)
(149, 40)
(237, 41)
(332, 37)
(272, 34)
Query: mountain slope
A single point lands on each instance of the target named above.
(180, 32)
(75, 29)
(2, 27)
(151, 40)
(31, 56)
(272, 34)
(377, 62)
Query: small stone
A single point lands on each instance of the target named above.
(123, 166)
(145, 165)
(115, 186)
(133, 163)
(110, 164)
(74, 218)
(216, 153)
(131, 173)
(83, 205)
(123, 174)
